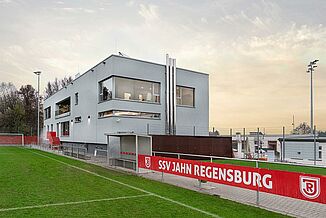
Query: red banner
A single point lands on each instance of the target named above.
(291, 184)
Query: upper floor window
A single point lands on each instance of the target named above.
(129, 89)
(47, 112)
(76, 98)
(185, 96)
(105, 90)
(137, 90)
(63, 107)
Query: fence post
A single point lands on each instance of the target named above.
(283, 145)
(315, 149)
(178, 155)
(257, 195)
(258, 142)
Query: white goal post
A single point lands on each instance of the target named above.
(12, 139)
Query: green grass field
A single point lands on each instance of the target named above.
(39, 184)
(275, 166)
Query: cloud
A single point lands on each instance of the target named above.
(149, 12)
(5, 1)
(75, 10)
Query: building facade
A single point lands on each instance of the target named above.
(121, 94)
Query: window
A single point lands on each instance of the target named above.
(185, 96)
(136, 114)
(77, 119)
(105, 90)
(76, 98)
(65, 128)
(319, 155)
(51, 127)
(63, 107)
(47, 112)
(137, 90)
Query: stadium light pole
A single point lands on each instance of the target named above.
(310, 70)
(38, 73)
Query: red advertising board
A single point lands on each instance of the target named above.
(291, 184)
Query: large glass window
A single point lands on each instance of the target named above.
(63, 107)
(123, 113)
(65, 128)
(185, 96)
(105, 90)
(137, 90)
(47, 112)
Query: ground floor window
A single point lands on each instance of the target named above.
(124, 113)
(65, 128)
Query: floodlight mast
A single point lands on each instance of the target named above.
(310, 70)
(38, 73)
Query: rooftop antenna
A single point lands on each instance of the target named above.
(293, 122)
(123, 54)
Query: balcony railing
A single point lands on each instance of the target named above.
(59, 114)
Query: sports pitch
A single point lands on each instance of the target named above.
(39, 184)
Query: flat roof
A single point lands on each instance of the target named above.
(120, 134)
(134, 59)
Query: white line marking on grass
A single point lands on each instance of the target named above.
(71, 203)
(130, 186)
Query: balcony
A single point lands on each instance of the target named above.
(63, 108)
(59, 114)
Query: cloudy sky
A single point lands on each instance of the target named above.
(256, 52)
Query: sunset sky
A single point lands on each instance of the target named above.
(256, 52)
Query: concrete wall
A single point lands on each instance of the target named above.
(92, 129)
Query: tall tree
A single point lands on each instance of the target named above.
(28, 97)
(18, 109)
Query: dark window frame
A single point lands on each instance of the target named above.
(193, 98)
(140, 116)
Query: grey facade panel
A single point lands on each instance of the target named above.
(92, 129)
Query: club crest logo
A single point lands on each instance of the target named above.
(309, 187)
(148, 162)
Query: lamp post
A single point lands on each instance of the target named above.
(38, 73)
(310, 70)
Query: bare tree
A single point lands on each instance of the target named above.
(302, 129)
(56, 85)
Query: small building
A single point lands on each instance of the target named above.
(304, 149)
(122, 94)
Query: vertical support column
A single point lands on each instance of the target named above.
(174, 96)
(315, 148)
(283, 145)
(137, 169)
(167, 95)
(23, 143)
(170, 95)
(108, 150)
(257, 194)
(258, 142)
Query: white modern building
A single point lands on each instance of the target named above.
(122, 94)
